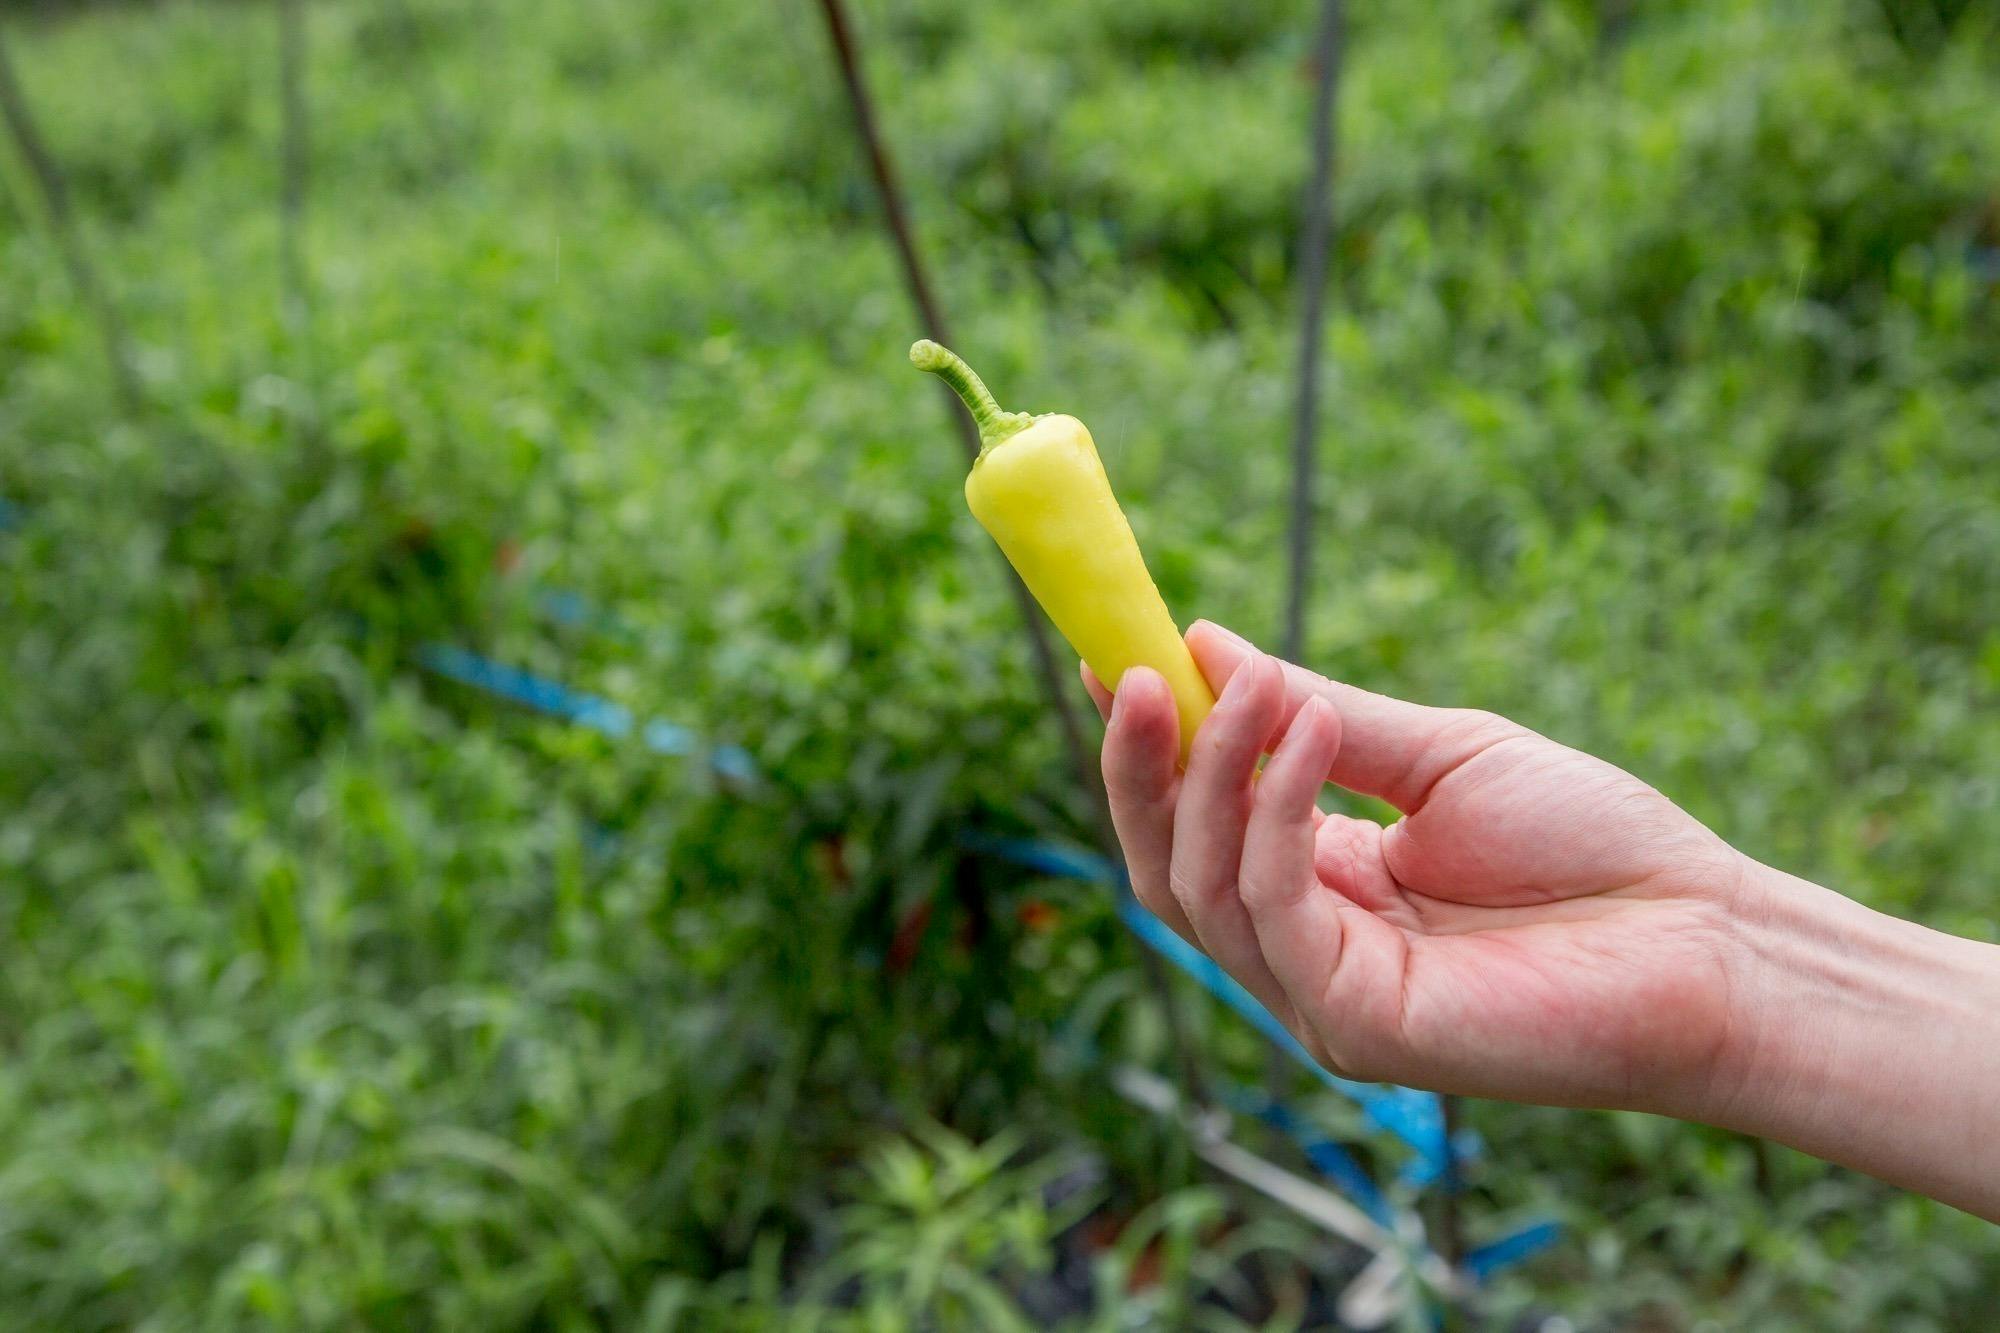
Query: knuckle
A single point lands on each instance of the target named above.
(1269, 798)
(1185, 891)
(1479, 724)
(1357, 1071)
(1462, 735)
(1266, 896)
(1359, 1058)
(1340, 1063)
(1122, 786)
(1153, 899)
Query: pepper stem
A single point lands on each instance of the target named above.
(994, 424)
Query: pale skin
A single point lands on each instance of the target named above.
(1541, 926)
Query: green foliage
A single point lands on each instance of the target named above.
(1660, 417)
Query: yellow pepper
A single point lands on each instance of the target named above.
(1039, 488)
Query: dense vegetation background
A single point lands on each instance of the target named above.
(1662, 416)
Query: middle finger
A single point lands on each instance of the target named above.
(1209, 821)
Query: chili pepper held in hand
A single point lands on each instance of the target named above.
(1039, 488)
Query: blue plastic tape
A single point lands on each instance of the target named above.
(585, 710)
(1509, 1250)
(1048, 857)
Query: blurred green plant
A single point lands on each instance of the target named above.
(1660, 414)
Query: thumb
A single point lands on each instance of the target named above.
(1389, 748)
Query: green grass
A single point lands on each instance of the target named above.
(1660, 416)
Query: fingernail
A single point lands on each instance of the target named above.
(1326, 717)
(1227, 633)
(1117, 705)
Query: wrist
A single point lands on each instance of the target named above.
(1860, 1038)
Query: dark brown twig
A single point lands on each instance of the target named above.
(1313, 239)
(1450, 1240)
(1055, 683)
(916, 279)
(923, 296)
(1314, 232)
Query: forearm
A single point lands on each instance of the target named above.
(1866, 1040)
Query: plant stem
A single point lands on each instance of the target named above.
(994, 424)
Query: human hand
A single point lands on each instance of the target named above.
(1539, 926)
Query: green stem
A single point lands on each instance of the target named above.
(995, 425)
